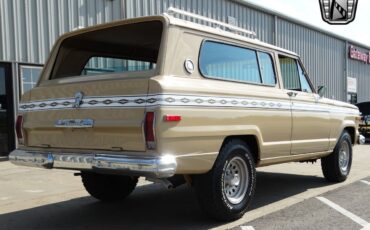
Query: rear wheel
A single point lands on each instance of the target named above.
(336, 166)
(108, 187)
(226, 191)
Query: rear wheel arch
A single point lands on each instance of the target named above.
(252, 142)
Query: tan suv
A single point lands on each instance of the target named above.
(179, 102)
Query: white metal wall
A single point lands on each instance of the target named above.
(361, 71)
(322, 55)
(29, 28)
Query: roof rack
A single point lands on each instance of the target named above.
(172, 11)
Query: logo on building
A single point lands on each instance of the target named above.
(338, 12)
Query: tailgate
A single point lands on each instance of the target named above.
(110, 115)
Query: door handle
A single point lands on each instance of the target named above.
(292, 94)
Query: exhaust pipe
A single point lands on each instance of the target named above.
(169, 183)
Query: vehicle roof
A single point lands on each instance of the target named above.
(79, 30)
(170, 20)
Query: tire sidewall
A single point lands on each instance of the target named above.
(347, 138)
(244, 153)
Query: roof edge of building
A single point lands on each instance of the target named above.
(299, 22)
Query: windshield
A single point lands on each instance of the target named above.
(125, 48)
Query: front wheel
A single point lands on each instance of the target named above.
(226, 191)
(336, 166)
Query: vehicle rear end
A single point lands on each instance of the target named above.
(91, 109)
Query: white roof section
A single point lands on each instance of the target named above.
(220, 28)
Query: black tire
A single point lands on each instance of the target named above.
(331, 165)
(108, 187)
(210, 187)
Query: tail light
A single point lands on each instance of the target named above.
(19, 128)
(149, 130)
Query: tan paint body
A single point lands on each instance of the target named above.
(282, 135)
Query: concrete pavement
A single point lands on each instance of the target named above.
(353, 211)
(54, 199)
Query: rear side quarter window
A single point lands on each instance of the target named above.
(233, 63)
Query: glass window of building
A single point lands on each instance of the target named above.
(29, 77)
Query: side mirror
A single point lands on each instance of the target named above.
(321, 90)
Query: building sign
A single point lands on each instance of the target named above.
(351, 85)
(358, 55)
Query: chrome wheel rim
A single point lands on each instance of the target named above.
(344, 157)
(235, 183)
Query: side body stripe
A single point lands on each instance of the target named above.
(154, 100)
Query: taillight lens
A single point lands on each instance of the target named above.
(149, 130)
(19, 127)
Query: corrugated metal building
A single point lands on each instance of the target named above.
(29, 28)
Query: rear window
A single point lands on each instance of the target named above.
(120, 49)
(114, 65)
(228, 62)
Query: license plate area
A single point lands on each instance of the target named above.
(74, 123)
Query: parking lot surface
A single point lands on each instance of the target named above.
(343, 208)
(287, 197)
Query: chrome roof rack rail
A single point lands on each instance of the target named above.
(173, 11)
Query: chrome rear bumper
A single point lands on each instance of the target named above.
(157, 167)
